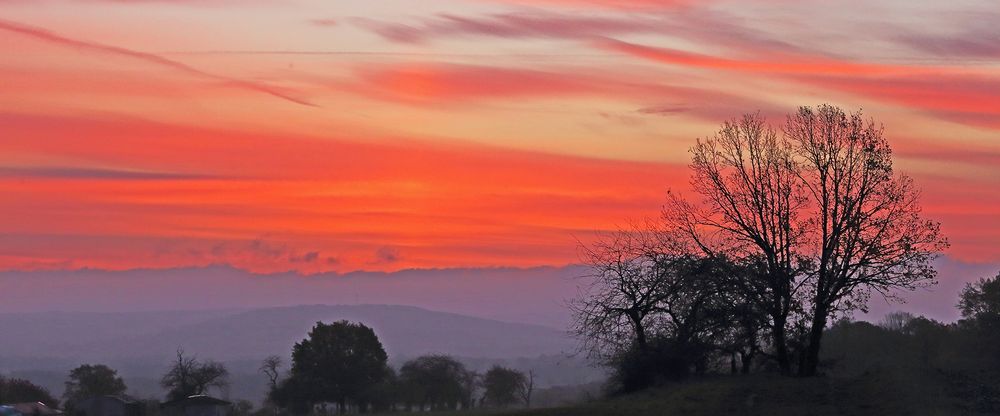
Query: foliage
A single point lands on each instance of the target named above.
(503, 386)
(337, 363)
(981, 299)
(436, 382)
(16, 390)
(92, 381)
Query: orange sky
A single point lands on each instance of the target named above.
(315, 135)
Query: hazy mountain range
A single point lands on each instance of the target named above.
(256, 333)
(534, 295)
(530, 295)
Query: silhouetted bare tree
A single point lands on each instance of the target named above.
(271, 368)
(637, 275)
(188, 376)
(867, 233)
(751, 196)
(527, 388)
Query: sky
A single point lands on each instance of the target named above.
(316, 136)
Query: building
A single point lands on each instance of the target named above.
(107, 406)
(31, 409)
(199, 405)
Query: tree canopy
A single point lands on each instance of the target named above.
(790, 227)
(17, 390)
(338, 363)
(92, 380)
(503, 387)
(437, 382)
(981, 299)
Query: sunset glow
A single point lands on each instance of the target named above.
(315, 136)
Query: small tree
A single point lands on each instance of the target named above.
(92, 381)
(338, 363)
(527, 388)
(271, 368)
(438, 382)
(503, 386)
(981, 299)
(652, 309)
(638, 276)
(17, 390)
(897, 321)
(188, 376)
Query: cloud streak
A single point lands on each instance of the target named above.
(958, 94)
(51, 37)
(39, 172)
(513, 26)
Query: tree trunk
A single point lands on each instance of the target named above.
(640, 331)
(810, 362)
(747, 362)
(780, 347)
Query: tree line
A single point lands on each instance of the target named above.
(964, 354)
(344, 366)
(341, 367)
(789, 227)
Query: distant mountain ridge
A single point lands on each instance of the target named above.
(530, 295)
(252, 334)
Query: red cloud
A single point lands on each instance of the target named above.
(774, 64)
(439, 205)
(968, 99)
(950, 93)
(449, 84)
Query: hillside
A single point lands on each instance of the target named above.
(878, 393)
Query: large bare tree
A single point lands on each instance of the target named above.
(816, 213)
(866, 230)
(750, 199)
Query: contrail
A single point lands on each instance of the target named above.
(49, 36)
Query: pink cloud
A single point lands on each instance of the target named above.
(514, 25)
(51, 37)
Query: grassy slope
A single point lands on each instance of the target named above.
(872, 394)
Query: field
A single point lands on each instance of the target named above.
(871, 394)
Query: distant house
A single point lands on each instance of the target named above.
(108, 406)
(31, 409)
(199, 405)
